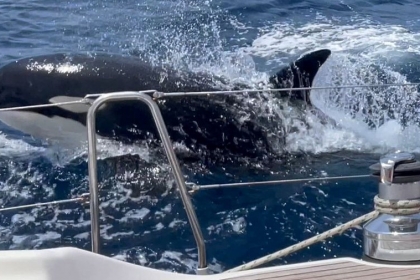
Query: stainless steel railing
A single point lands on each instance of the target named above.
(179, 179)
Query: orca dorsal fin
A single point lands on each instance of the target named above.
(300, 73)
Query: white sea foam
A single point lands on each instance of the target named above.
(360, 35)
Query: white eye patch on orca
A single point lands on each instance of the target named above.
(79, 108)
(75, 108)
(69, 133)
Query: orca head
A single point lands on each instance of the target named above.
(300, 73)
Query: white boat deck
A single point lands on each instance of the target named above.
(336, 269)
(76, 264)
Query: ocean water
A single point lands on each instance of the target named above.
(142, 217)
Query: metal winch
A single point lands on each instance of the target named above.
(395, 237)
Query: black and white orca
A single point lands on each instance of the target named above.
(203, 124)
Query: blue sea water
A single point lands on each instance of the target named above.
(142, 218)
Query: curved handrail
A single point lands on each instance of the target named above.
(179, 179)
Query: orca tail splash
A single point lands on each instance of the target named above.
(300, 73)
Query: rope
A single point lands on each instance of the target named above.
(81, 101)
(83, 198)
(382, 206)
(191, 93)
(301, 245)
(397, 207)
(194, 187)
(158, 95)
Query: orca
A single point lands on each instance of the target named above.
(204, 124)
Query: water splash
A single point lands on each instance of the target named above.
(369, 119)
(384, 117)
